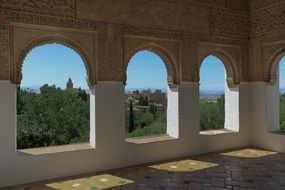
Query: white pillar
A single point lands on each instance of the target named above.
(92, 138)
(172, 112)
(7, 119)
(232, 108)
(272, 107)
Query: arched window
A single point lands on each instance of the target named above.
(282, 94)
(53, 105)
(218, 102)
(146, 96)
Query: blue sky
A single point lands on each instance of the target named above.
(212, 74)
(146, 70)
(54, 64)
(282, 73)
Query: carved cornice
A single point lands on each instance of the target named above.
(110, 46)
(63, 8)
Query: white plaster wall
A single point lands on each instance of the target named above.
(111, 149)
(232, 108)
(92, 135)
(265, 117)
(172, 112)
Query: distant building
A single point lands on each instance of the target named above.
(69, 84)
(157, 98)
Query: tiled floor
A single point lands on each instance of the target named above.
(240, 169)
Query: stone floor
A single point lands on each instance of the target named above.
(237, 170)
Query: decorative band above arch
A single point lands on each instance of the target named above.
(231, 67)
(16, 73)
(272, 64)
(166, 57)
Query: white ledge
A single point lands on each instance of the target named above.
(217, 132)
(149, 139)
(54, 149)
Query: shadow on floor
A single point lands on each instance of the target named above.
(242, 169)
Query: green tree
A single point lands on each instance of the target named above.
(152, 109)
(52, 117)
(212, 114)
(131, 118)
(146, 119)
(282, 112)
(83, 94)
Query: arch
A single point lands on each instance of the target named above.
(166, 57)
(273, 65)
(50, 39)
(230, 67)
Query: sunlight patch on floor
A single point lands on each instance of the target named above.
(249, 153)
(97, 182)
(184, 166)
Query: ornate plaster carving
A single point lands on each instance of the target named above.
(230, 56)
(271, 56)
(228, 23)
(65, 8)
(134, 44)
(270, 20)
(38, 40)
(110, 45)
(4, 68)
(110, 53)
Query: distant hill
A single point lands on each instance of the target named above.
(282, 90)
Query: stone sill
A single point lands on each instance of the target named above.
(54, 149)
(149, 139)
(278, 132)
(217, 132)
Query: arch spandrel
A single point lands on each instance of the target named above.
(16, 75)
(272, 64)
(229, 63)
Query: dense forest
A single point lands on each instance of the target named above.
(52, 117)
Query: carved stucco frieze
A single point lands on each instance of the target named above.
(229, 55)
(190, 67)
(45, 20)
(228, 23)
(185, 65)
(268, 21)
(168, 50)
(260, 4)
(272, 53)
(4, 68)
(111, 65)
(255, 60)
(3, 32)
(64, 8)
(27, 37)
(110, 53)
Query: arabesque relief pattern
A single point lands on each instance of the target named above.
(267, 39)
(228, 27)
(227, 23)
(65, 8)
